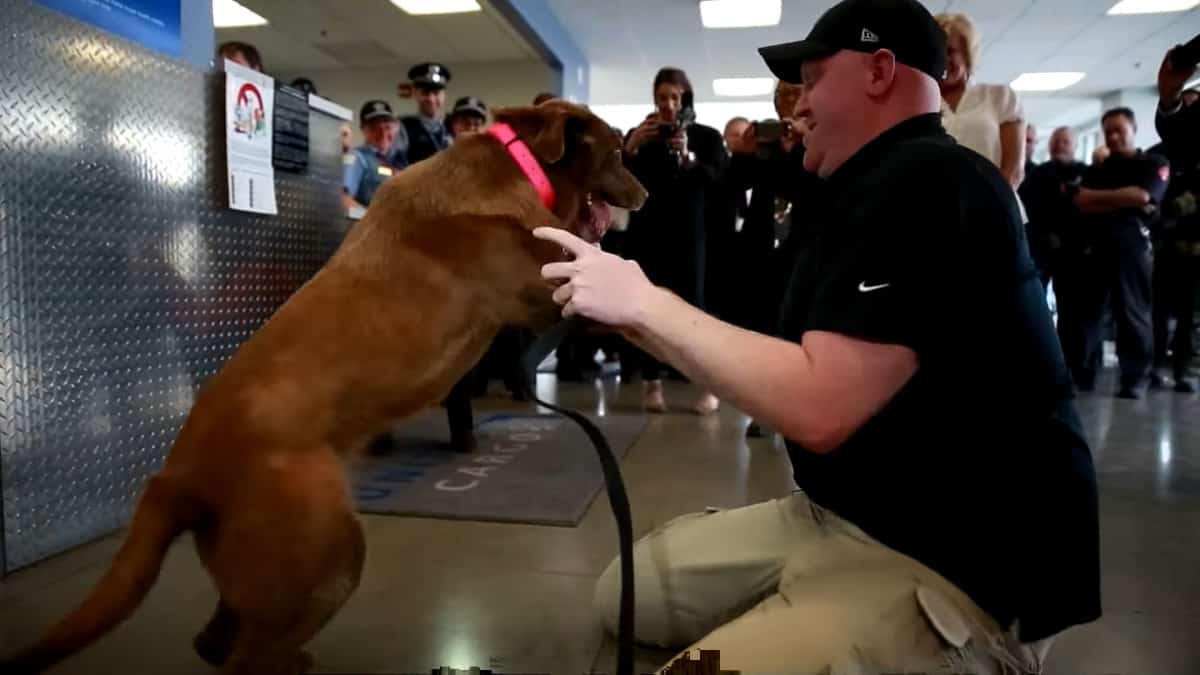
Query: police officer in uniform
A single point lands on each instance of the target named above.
(469, 116)
(1118, 200)
(426, 130)
(370, 165)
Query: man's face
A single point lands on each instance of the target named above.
(381, 133)
(786, 96)
(833, 106)
(1119, 134)
(1030, 141)
(668, 99)
(735, 133)
(1062, 145)
(431, 101)
(465, 124)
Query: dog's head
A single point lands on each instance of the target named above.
(581, 156)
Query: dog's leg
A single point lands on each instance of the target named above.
(268, 647)
(215, 642)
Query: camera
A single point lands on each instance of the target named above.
(683, 120)
(1186, 57)
(769, 132)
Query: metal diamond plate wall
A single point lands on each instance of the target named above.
(124, 281)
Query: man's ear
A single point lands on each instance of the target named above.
(882, 71)
(544, 129)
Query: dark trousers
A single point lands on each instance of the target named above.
(1176, 285)
(503, 359)
(1117, 273)
(1072, 282)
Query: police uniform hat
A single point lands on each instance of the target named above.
(375, 110)
(429, 75)
(471, 106)
(903, 26)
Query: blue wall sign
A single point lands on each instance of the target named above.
(153, 23)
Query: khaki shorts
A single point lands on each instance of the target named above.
(787, 587)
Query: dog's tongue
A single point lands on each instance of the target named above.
(600, 218)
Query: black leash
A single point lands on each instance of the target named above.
(617, 497)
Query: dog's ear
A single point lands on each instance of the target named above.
(544, 128)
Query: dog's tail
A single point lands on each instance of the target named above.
(161, 516)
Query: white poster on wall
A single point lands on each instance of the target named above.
(249, 110)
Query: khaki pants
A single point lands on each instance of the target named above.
(787, 587)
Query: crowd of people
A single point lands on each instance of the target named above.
(727, 217)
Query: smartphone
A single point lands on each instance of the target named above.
(1186, 57)
(768, 131)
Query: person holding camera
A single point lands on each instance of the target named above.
(676, 160)
(1178, 124)
(1051, 212)
(768, 162)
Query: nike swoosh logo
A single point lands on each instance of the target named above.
(864, 288)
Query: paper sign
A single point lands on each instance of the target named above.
(249, 108)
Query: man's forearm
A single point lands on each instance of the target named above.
(1107, 201)
(758, 374)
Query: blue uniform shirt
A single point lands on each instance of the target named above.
(366, 168)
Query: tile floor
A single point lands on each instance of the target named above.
(459, 594)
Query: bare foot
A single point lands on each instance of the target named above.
(707, 404)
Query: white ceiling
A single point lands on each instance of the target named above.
(626, 42)
(312, 35)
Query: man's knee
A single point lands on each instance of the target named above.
(606, 598)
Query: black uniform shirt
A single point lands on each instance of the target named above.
(426, 137)
(978, 467)
(1149, 172)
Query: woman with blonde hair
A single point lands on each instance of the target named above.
(986, 118)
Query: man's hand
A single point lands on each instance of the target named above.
(645, 132)
(794, 132)
(597, 285)
(1171, 81)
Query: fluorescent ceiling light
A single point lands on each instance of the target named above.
(1045, 81)
(423, 7)
(740, 13)
(230, 14)
(743, 86)
(1152, 6)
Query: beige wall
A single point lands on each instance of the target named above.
(499, 84)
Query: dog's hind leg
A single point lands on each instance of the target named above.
(266, 645)
(215, 642)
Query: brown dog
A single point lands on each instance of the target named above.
(442, 260)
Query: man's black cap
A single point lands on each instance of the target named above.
(375, 110)
(429, 75)
(471, 106)
(903, 26)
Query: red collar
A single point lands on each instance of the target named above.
(525, 159)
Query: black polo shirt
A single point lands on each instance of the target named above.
(978, 467)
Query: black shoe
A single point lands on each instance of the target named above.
(754, 431)
(1158, 380)
(1185, 383)
(1131, 393)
